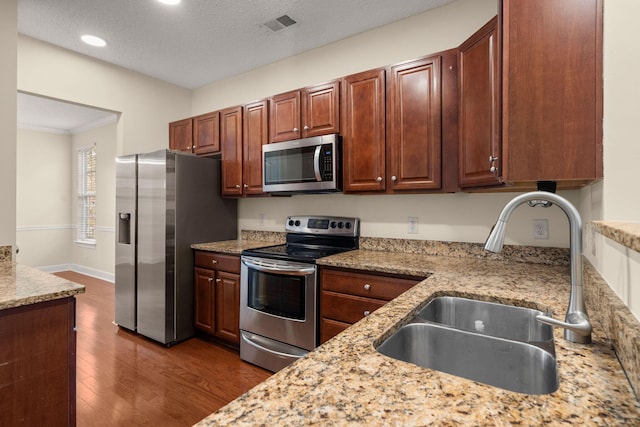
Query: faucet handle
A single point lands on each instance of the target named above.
(577, 328)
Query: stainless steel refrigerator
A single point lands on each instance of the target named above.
(165, 201)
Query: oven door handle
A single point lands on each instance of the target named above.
(287, 270)
(246, 337)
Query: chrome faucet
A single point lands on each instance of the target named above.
(577, 327)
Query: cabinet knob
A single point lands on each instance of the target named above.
(218, 280)
(393, 178)
(493, 169)
(492, 159)
(366, 313)
(214, 261)
(210, 279)
(245, 185)
(306, 127)
(237, 185)
(193, 146)
(295, 129)
(367, 286)
(379, 179)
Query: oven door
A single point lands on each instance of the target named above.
(277, 310)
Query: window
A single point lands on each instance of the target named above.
(87, 195)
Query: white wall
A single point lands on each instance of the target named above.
(147, 104)
(617, 197)
(8, 47)
(44, 197)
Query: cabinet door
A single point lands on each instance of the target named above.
(231, 144)
(479, 147)
(363, 146)
(414, 139)
(227, 322)
(320, 109)
(204, 299)
(181, 135)
(552, 90)
(255, 135)
(284, 116)
(206, 133)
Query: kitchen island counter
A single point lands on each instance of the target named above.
(21, 285)
(346, 382)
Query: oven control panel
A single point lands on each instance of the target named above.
(330, 225)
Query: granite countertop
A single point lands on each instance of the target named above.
(346, 382)
(21, 285)
(625, 233)
(247, 240)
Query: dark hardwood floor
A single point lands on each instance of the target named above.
(126, 380)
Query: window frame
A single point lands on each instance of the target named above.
(86, 197)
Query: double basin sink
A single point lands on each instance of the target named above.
(496, 344)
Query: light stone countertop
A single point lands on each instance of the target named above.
(346, 382)
(21, 285)
(625, 233)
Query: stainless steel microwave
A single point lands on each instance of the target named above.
(309, 165)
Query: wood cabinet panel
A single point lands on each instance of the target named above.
(414, 133)
(181, 135)
(479, 113)
(254, 136)
(552, 90)
(204, 299)
(347, 308)
(284, 111)
(366, 285)
(227, 303)
(363, 131)
(321, 109)
(38, 364)
(206, 133)
(329, 328)
(216, 261)
(231, 144)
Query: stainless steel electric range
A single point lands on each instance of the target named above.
(279, 289)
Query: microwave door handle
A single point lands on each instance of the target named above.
(316, 163)
(297, 271)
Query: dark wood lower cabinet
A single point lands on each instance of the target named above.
(38, 364)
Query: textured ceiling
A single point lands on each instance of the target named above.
(201, 41)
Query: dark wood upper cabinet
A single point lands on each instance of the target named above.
(181, 135)
(231, 145)
(255, 135)
(206, 133)
(363, 131)
(552, 91)
(303, 113)
(414, 125)
(479, 147)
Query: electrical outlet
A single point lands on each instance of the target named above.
(412, 225)
(541, 229)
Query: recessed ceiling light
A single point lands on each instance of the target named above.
(171, 2)
(93, 40)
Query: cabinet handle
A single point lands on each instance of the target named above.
(214, 261)
(237, 185)
(366, 313)
(218, 280)
(492, 159)
(210, 279)
(245, 185)
(367, 286)
(295, 129)
(306, 127)
(493, 169)
(193, 146)
(379, 179)
(393, 178)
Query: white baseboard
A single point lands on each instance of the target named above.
(103, 275)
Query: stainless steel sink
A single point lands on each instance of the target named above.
(512, 365)
(498, 320)
(496, 344)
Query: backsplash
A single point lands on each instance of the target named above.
(5, 253)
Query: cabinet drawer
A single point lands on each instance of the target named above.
(330, 328)
(365, 285)
(347, 308)
(216, 261)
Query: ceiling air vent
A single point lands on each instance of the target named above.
(280, 23)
